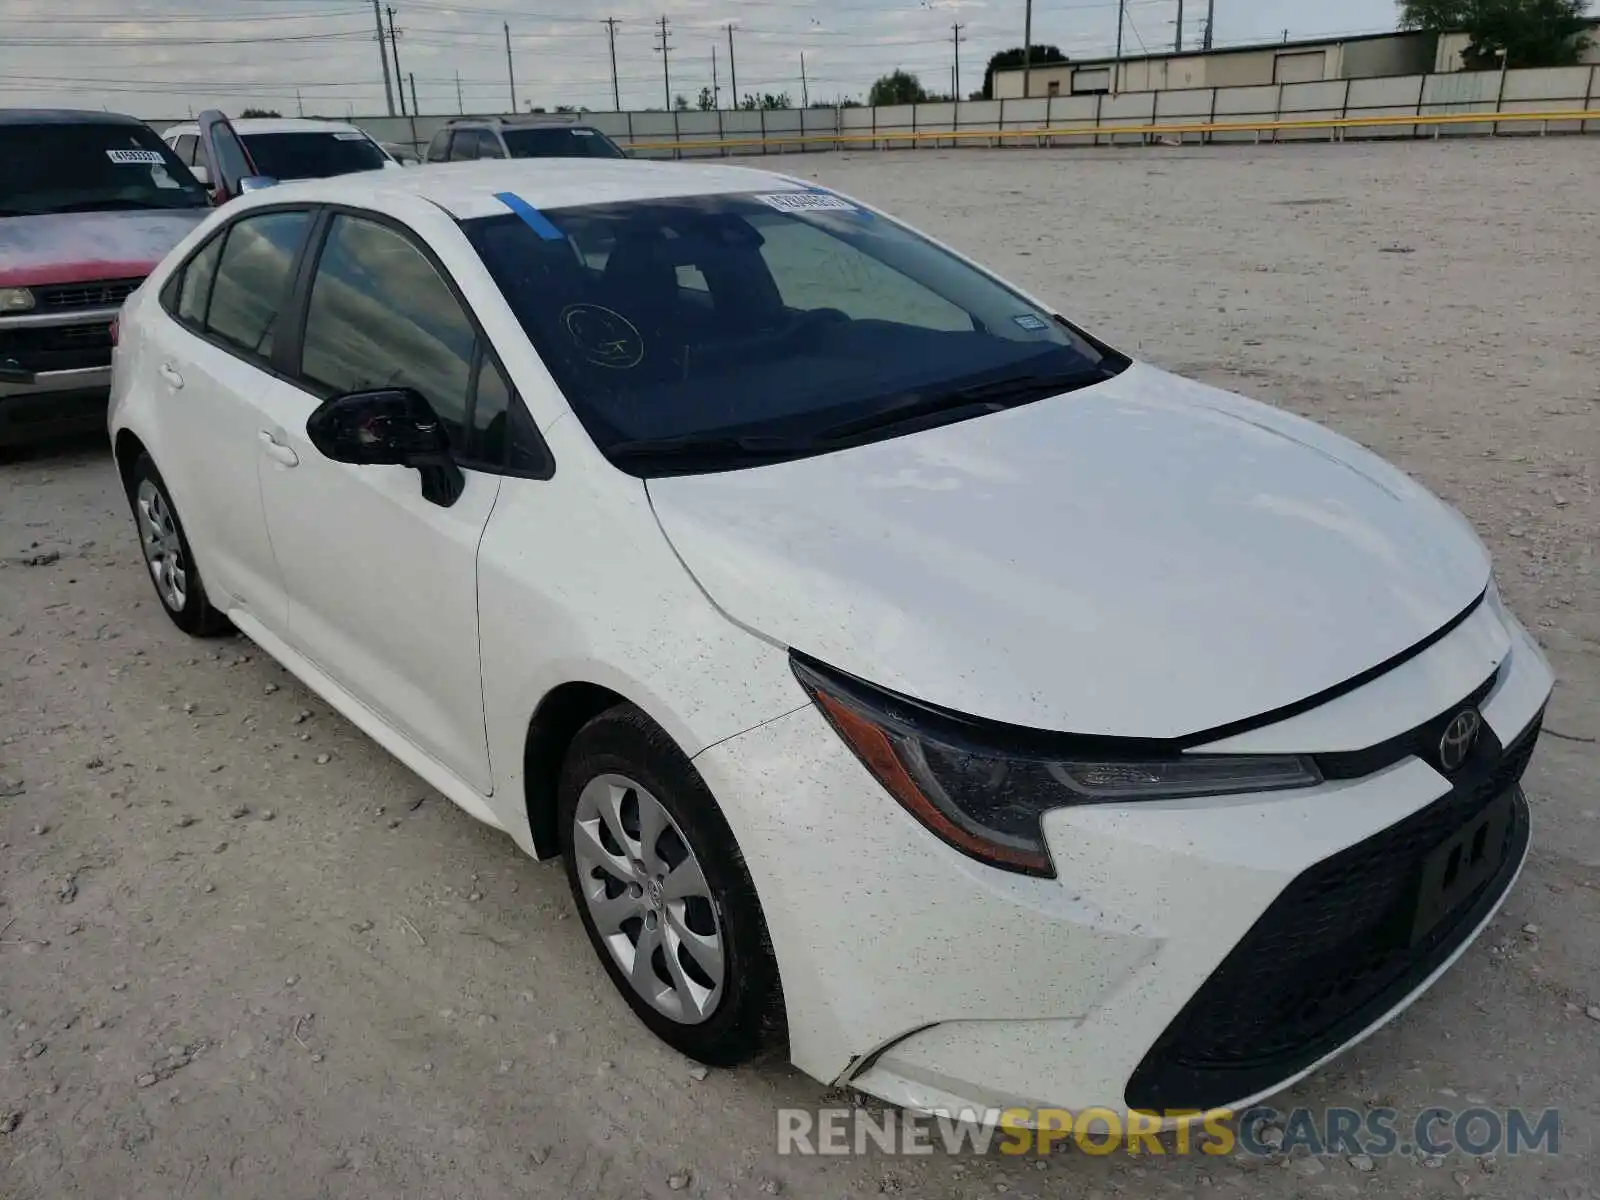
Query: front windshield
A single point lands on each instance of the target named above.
(789, 316)
(313, 154)
(560, 143)
(93, 167)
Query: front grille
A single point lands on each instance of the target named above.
(57, 347)
(1333, 952)
(102, 293)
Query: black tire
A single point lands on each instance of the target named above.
(748, 1016)
(195, 616)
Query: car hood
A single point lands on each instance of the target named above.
(80, 247)
(1147, 557)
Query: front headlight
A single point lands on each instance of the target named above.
(15, 300)
(984, 791)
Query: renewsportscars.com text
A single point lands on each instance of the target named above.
(1262, 1131)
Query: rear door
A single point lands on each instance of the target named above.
(225, 154)
(382, 583)
(211, 362)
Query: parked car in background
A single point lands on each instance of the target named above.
(284, 148)
(90, 202)
(897, 666)
(541, 135)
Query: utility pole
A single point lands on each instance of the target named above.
(383, 57)
(1211, 19)
(511, 73)
(1177, 41)
(299, 103)
(733, 71)
(394, 46)
(1027, 51)
(611, 32)
(664, 49)
(461, 105)
(955, 37)
(805, 93)
(1116, 67)
(716, 91)
(415, 110)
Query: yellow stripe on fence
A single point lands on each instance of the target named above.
(1334, 124)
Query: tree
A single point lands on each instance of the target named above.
(1008, 59)
(680, 102)
(897, 87)
(258, 112)
(1531, 33)
(767, 100)
(707, 101)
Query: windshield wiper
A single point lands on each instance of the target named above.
(996, 394)
(710, 446)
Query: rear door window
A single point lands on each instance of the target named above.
(489, 145)
(439, 147)
(465, 146)
(185, 148)
(194, 294)
(252, 280)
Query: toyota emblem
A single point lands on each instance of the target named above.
(1458, 739)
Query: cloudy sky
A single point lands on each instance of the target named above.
(164, 58)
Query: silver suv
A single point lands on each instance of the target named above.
(536, 136)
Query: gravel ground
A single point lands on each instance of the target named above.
(246, 954)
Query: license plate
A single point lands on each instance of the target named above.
(1461, 864)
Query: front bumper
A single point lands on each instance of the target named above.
(934, 982)
(67, 360)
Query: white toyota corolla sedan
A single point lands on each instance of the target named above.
(909, 680)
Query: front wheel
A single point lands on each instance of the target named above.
(167, 555)
(664, 893)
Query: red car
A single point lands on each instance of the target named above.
(90, 202)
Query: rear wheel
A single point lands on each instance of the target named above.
(167, 555)
(663, 891)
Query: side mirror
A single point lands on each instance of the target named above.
(389, 427)
(255, 183)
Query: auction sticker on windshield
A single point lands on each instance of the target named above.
(805, 202)
(141, 157)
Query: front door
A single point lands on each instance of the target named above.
(382, 583)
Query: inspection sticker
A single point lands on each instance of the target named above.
(806, 202)
(349, 137)
(581, 132)
(142, 157)
(1030, 322)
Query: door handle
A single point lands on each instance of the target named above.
(170, 374)
(277, 451)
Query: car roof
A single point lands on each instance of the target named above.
(529, 121)
(469, 189)
(63, 116)
(248, 125)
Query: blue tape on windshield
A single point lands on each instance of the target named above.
(534, 219)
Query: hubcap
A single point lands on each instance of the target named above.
(163, 549)
(648, 898)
